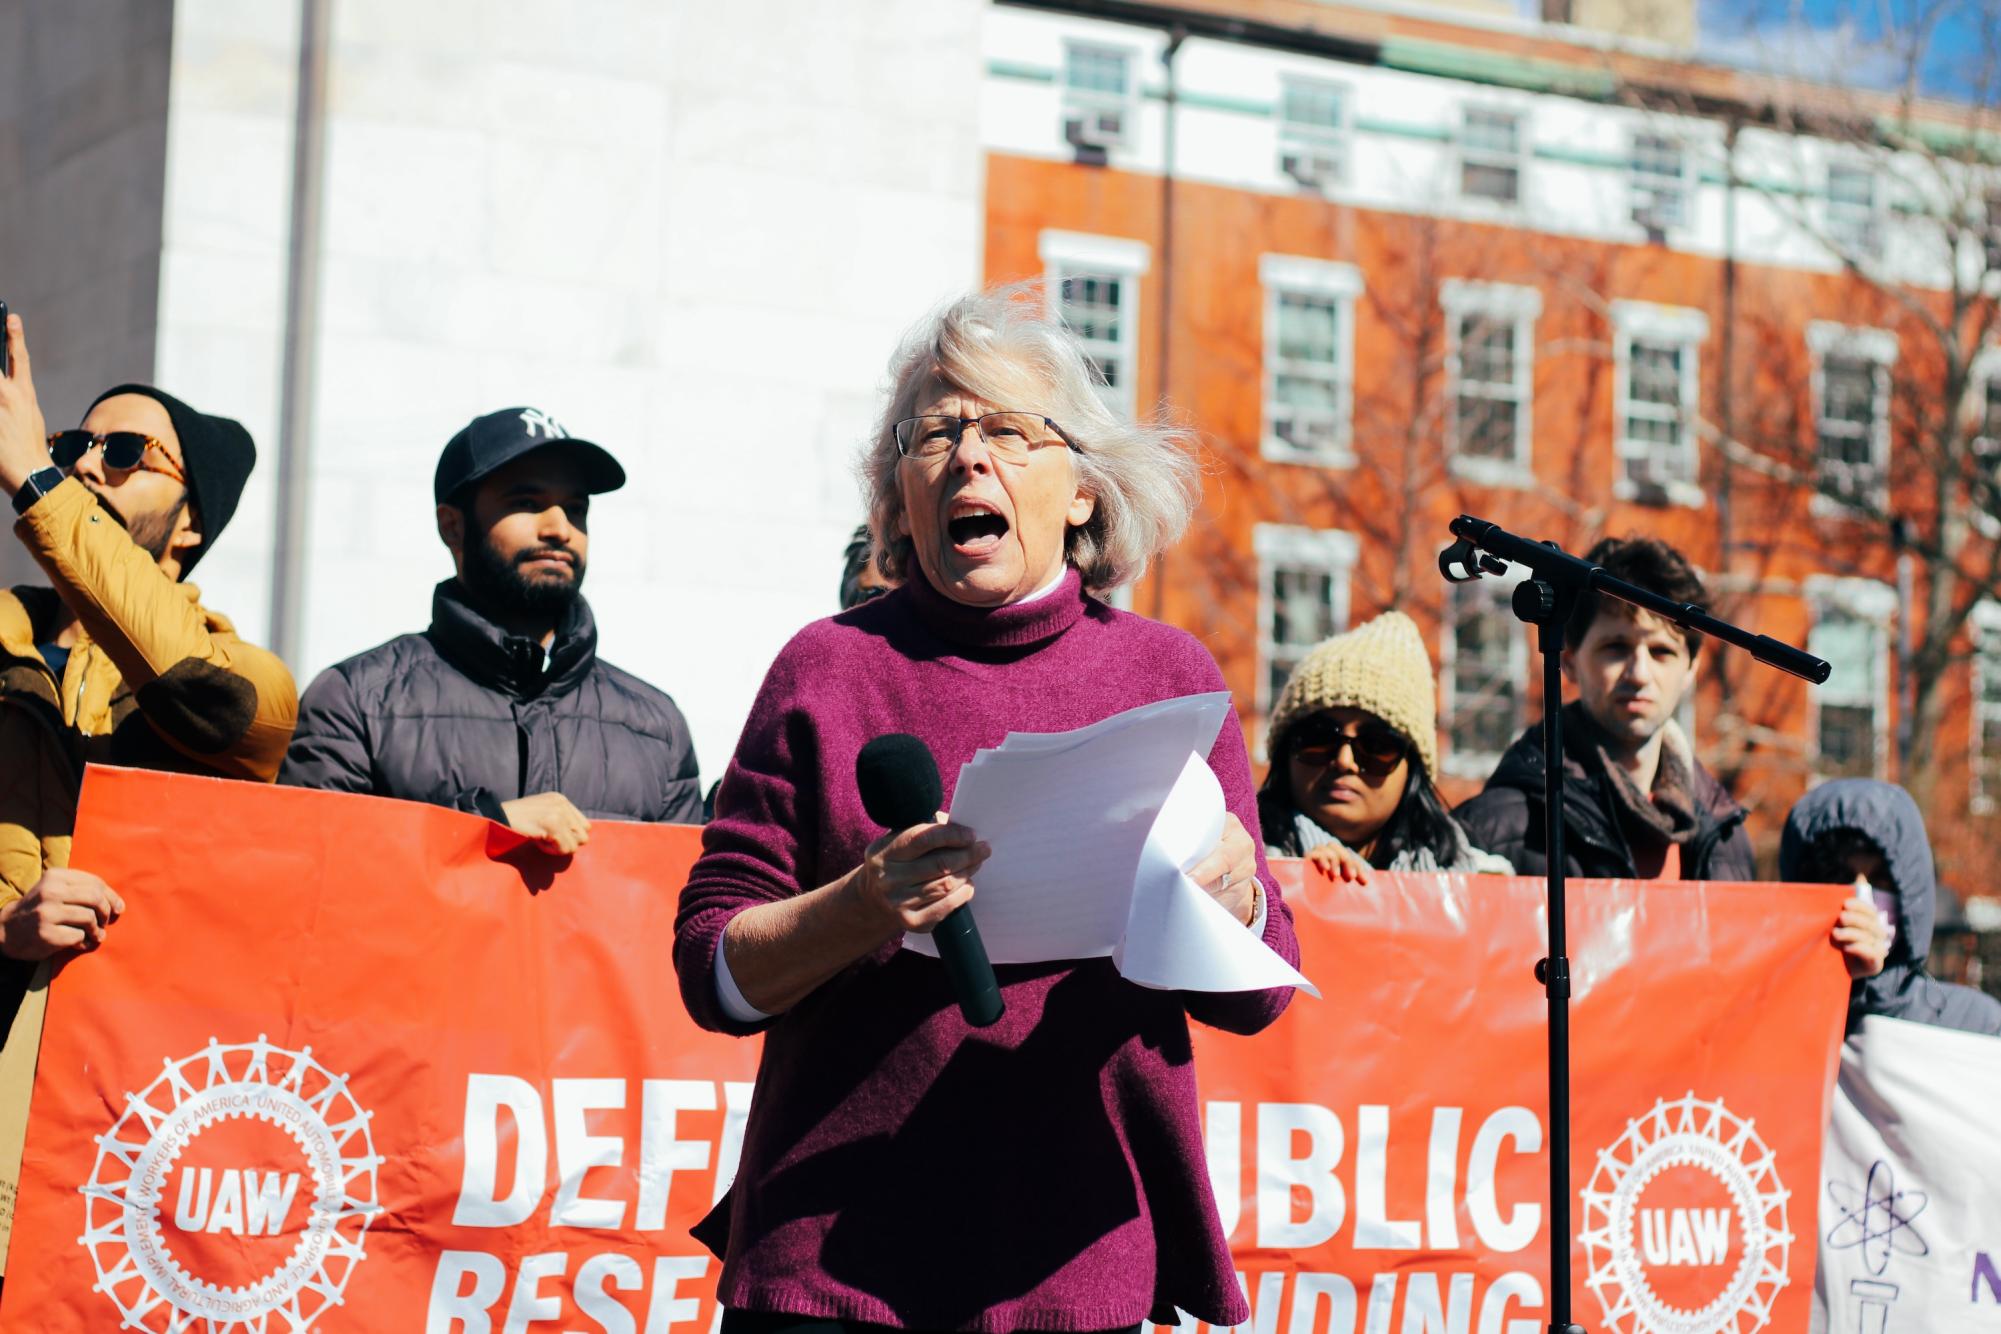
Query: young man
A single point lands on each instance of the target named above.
(118, 661)
(502, 707)
(1636, 803)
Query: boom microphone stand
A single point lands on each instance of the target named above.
(1546, 601)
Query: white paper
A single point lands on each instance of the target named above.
(1090, 832)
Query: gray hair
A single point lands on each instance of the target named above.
(1002, 347)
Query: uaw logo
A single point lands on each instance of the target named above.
(1684, 1225)
(232, 1194)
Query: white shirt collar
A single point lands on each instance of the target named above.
(1049, 587)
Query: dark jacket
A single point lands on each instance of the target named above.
(1888, 816)
(467, 716)
(1507, 817)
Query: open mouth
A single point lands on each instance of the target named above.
(975, 528)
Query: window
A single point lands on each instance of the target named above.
(1490, 154)
(1302, 598)
(1659, 182)
(1850, 710)
(1313, 131)
(1986, 682)
(1093, 287)
(1657, 353)
(1309, 359)
(1485, 666)
(1985, 476)
(1490, 362)
(1854, 212)
(1851, 389)
(1097, 94)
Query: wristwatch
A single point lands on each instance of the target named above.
(39, 483)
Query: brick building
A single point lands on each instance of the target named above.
(1396, 266)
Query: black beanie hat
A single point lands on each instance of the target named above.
(217, 454)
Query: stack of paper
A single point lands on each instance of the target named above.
(1091, 831)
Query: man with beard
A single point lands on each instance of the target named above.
(117, 660)
(502, 707)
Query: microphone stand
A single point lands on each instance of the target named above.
(1546, 601)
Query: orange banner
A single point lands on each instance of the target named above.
(352, 1064)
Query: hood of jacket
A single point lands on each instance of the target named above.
(1888, 816)
(514, 665)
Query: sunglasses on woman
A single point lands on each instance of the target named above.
(123, 451)
(1378, 748)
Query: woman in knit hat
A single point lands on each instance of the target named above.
(1354, 745)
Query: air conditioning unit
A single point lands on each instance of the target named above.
(1316, 170)
(1095, 127)
(1309, 435)
(1652, 480)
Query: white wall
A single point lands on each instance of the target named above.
(1402, 154)
(692, 232)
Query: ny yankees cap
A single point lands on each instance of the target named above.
(490, 442)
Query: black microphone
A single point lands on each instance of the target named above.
(900, 788)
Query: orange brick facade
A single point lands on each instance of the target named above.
(1752, 725)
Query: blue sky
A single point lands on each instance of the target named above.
(1811, 37)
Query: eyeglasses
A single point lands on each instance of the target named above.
(123, 451)
(1378, 748)
(1009, 435)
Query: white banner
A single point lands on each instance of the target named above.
(1910, 1200)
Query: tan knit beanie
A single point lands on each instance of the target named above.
(1382, 667)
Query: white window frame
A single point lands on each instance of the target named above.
(1984, 378)
(1647, 189)
(1294, 275)
(1856, 232)
(1874, 603)
(1645, 322)
(1518, 160)
(1456, 762)
(1985, 624)
(1518, 307)
(1330, 551)
(1878, 346)
(1079, 255)
(1314, 155)
(1088, 102)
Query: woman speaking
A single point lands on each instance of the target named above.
(899, 1167)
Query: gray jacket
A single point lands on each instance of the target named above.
(1888, 816)
(467, 716)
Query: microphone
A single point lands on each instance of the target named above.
(900, 788)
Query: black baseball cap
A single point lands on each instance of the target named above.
(490, 442)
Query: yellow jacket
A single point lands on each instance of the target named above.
(154, 680)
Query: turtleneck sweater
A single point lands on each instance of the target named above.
(899, 1167)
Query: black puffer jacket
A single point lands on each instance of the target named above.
(1890, 819)
(467, 716)
(1507, 817)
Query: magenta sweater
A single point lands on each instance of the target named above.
(899, 1167)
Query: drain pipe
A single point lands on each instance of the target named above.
(1169, 115)
(301, 340)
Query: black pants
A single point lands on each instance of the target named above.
(768, 1322)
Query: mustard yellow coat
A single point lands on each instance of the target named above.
(155, 680)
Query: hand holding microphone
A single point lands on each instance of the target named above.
(921, 872)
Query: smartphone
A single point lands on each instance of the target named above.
(6, 345)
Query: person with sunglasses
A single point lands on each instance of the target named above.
(117, 660)
(1353, 746)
